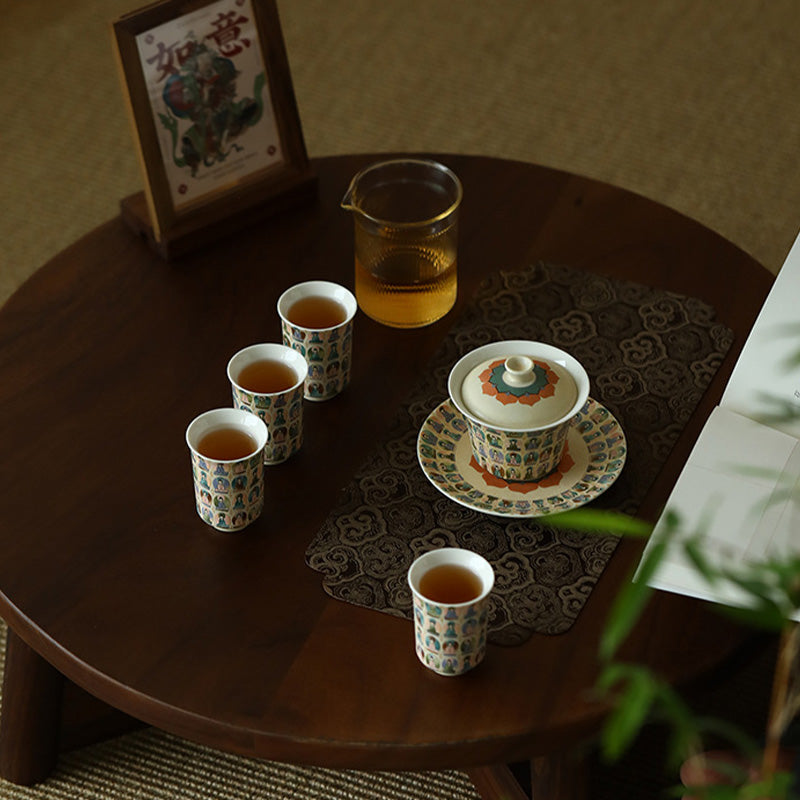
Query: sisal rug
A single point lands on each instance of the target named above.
(152, 765)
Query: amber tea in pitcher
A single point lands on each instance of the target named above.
(406, 231)
(413, 286)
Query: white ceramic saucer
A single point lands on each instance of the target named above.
(593, 459)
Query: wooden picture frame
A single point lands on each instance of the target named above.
(214, 116)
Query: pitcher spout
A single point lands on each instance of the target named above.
(348, 201)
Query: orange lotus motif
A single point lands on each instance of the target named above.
(526, 487)
(544, 385)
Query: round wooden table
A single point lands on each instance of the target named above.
(109, 577)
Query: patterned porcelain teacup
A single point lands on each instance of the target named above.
(519, 400)
(227, 446)
(450, 587)
(317, 321)
(267, 380)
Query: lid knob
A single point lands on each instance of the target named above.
(519, 371)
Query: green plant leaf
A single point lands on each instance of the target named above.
(625, 613)
(761, 618)
(715, 792)
(694, 552)
(684, 731)
(732, 734)
(787, 576)
(792, 361)
(777, 786)
(760, 589)
(768, 608)
(590, 520)
(630, 601)
(630, 712)
(770, 473)
(610, 676)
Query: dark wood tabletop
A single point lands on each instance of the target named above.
(109, 577)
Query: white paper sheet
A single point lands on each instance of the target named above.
(740, 484)
(762, 376)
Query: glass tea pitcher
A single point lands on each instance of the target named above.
(406, 230)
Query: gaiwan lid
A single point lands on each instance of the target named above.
(519, 391)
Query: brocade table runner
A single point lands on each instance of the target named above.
(650, 355)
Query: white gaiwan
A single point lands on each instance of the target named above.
(519, 399)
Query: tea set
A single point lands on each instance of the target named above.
(517, 436)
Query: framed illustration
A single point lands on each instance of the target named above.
(214, 117)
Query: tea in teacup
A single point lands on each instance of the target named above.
(267, 380)
(450, 583)
(317, 321)
(267, 376)
(226, 447)
(226, 444)
(316, 312)
(450, 591)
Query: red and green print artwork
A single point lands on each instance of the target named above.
(203, 91)
(208, 86)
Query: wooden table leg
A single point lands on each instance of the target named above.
(554, 777)
(558, 777)
(31, 714)
(496, 782)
